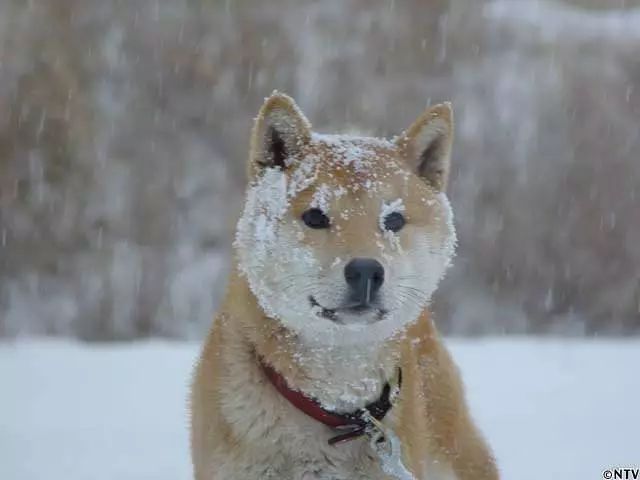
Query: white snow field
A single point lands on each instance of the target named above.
(552, 409)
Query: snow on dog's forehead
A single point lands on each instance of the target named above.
(359, 154)
(355, 164)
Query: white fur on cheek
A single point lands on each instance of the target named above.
(270, 256)
(279, 268)
(413, 274)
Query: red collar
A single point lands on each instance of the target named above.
(353, 422)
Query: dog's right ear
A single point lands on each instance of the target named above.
(279, 133)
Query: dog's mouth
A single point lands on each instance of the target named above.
(333, 314)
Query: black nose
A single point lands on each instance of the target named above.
(365, 276)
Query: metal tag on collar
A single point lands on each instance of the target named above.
(386, 445)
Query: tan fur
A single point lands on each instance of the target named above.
(242, 428)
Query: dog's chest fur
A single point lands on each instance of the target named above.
(283, 443)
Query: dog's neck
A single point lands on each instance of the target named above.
(342, 378)
(345, 378)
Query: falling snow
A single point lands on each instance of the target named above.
(124, 135)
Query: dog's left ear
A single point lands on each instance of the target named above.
(279, 133)
(426, 145)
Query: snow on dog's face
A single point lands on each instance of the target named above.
(344, 239)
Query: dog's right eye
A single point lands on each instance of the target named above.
(315, 218)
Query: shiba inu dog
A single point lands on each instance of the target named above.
(323, 362)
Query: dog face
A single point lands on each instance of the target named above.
(344, 239)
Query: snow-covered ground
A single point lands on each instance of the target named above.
(551, 409)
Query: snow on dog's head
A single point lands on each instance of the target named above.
(344, 239)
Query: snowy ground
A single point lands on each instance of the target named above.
(551, 409)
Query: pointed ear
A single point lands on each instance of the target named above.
(279, 132)
(426, 145)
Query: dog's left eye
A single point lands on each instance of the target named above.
(394, 222)
(315, 218)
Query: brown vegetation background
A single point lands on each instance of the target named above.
(123, 138)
